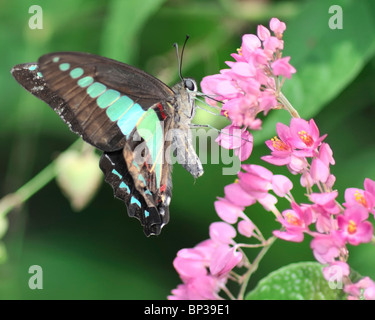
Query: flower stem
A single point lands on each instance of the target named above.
(288, 106)
(15, 199)
(228, 293)
(254, 267)
(244, 245)
(12, 200)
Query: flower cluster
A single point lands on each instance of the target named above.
(301, 149)
(363, 289)
(252, 83)
(205, 268)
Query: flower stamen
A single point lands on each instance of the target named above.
(279, 145)
(352, 227)
(293, 220)
(306, 138)
(359, 197)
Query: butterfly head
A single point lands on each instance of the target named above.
(185, 93)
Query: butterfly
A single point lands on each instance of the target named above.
(133, 117)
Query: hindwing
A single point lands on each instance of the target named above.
(140, 174)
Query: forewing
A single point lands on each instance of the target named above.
(29, 76)
(99, 98)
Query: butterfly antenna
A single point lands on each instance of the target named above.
(179, 59)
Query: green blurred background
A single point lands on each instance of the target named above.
(100, 253)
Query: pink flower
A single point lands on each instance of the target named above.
(364, 288)
(365, 198)
(327, 247)
(190, 263)
(209, 86)
(232, 137)
(370, 186)
(277, 26)
(247, 88)
(296, 222)
(326, 202)
(281, 185)
(228, 211)
(326, 154)
(282, 67)
(246, 228)
(268, 202)
(324, 222)
(250, 43)
(227, 89)
(306, 180)
(297, 164)
(280, 145)
(271, 45)
(263, 33)
(224, 259)
(370, 191)
(280, 156)
(353, 226)
(319, 171)
(256, 180)
(336, 271)
(238, 196)
(235, 110)
(304, 136)
(222, 232)
(200, 288)
(204, 269)
(242, 70)
(282, 151)
(206, 248)
(354, 196)
(180, 293)
(330, 181)
(267, 101)
(192, 266)
(294, 143)
(369, 293)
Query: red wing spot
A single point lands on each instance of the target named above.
(146, 165)
(161, 109)
(162, 188)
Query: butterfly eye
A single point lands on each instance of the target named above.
(190, 85)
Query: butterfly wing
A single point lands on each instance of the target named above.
(140, 174)
(143, 183)
(118, 109)
(30, 77)
(105, 96)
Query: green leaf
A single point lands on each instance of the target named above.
(327, 60)
(297, 281)
(125, 20)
